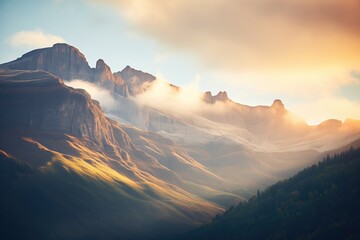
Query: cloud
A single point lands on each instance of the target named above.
(356, 75)
(160, 95)
(161, 57)
(183, 101)
(300, 48)
(34, 39)
(107, 102)
(262, 35)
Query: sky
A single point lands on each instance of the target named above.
(304, 52)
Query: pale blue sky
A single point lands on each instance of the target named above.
(98, 32)
(101, 31)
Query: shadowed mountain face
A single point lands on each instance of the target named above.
(39, 101)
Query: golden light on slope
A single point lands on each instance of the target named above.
(96, 166)
(89, 163)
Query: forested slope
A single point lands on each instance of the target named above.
(320, 202)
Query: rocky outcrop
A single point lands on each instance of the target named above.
(62, 60)
(135, 79)
(221, 96)
(104, 78)
(278, 107)
(68, 63)
(37, 100)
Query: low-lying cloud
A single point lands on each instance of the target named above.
(187, 100)
(107, 101)
(34, 39)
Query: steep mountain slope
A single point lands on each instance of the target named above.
(68, 172)
(244, 145)
(320, 202)
(38, 100)
(195, 178)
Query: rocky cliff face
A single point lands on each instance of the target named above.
(68, 63)
(62, 60)
(38, 100)
(104, 78)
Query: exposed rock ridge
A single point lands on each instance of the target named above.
(68, 63)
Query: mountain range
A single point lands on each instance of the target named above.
(145, 158)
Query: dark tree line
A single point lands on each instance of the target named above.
(320, 202)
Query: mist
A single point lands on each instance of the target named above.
(186, 100)
(104, 96)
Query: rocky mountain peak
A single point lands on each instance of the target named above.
(129, 73)
(128, 68)
(64, 47)
(134, 79)
(207, 97)
(62, 60)
(278, 104)
(278, 107)
(100, 64)
(67, 62)
(103, 75)
(221, 96)
(105, 78)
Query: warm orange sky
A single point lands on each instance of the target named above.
(270, 35)
(306, 48)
